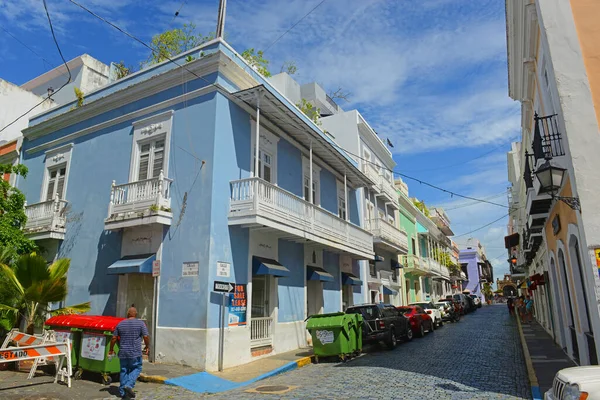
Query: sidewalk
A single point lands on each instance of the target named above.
(543, 357)
(230, 378)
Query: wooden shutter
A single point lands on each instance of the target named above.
(158, 161)
(144, 162)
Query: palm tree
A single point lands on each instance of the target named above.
(30, 287)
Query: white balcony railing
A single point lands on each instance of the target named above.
(150, 194)
(261, 332)
(382, 229)
(412, 262)
(282, 210)
(46, 217)
(371, 173)
(388, 189)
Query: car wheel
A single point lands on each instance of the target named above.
(392, 342)
(441, 323)
(409, 334)
(421, 331)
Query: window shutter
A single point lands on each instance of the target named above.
(60, 186)
(143, 169)
(158, 162)
(50, 190)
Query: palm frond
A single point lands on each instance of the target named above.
(59, 268)
(8, 273)
(31, 268)
(74, 309)
(46, 292)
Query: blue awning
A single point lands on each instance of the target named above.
(396, 264)
(266, 266)
(387, 290)
(138, 264)
(349, 279)
(314, 273)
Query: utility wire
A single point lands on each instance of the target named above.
(64, 62)
(463, 205)
(480, 228)
(179, 9)
(26, 46)
(293, 26)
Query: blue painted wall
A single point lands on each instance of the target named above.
(289, 168)
(329, 197)
(291, 289)
(357, 294)
(332, 300)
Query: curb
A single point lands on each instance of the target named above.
(533, 381)
(152, 379)
(302, 362)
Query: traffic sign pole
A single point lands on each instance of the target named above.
(222, 333)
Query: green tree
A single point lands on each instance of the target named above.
(30, 286)
(487, 290)
(176, 41)
(421, 206)
(122, 69)
(12, 215)
(257, 61)
(312, 112)
(289, 67)
(80, 97)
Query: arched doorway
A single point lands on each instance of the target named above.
(562, 340)
(578, 277)
(509, 291)
(567, 294)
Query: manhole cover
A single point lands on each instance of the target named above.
(271, 389)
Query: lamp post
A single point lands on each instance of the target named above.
(551, 178)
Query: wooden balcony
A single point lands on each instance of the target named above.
(140, 203)
(46, 220)
(414, 265)
(256, 203)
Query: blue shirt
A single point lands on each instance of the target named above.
(130, 333)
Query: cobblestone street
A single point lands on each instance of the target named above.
(478, 358)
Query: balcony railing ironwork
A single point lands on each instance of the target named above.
(47, 216)
(547, 139)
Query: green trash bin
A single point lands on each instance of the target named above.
(333, 335)
(358, 328)
(91, 343)
(63, 329)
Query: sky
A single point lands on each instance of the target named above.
(429, 75)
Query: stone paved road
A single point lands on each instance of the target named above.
(478, 358)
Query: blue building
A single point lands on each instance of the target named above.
(199, 173)
(477, 268)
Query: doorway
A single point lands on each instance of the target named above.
(136, 290)
(347, 296)
(314, 297)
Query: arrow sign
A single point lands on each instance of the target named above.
(223, 287)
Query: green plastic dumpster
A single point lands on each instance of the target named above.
(95, 333)
(333, 335)
(61, 325)
(358, 331)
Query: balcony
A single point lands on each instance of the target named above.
(371, 173)
(547, 140)
(387, 235)
(46, 220)
(388, 189)
(414, 265)
(140, 203)
(256, 203)
(537, 205)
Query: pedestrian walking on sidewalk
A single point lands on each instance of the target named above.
(529, 309)
(511, 306)
(130, 333)
(521, 308)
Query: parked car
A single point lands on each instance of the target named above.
(575, 383)
(449, 313)
(419, 320)
(382, 323)
(476, 299)
(457, 306)
(462, 299)
(433, 311)
(471, 302)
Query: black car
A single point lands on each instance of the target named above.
(382, 323)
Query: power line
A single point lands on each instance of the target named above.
(293, 26)
(463, 162)
(26, 46)
(463, 205)
(480, 228)
(179, 9)
(64, 62)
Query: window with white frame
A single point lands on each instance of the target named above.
(341, 190)
(56, 182)
(267, 153)
(151, 145)
(151, 159)
(57, 165)
(316, 189)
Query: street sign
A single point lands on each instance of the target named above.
(223, 269)
(223, 287)
(190, 269)
(155, 268)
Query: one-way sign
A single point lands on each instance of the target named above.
(223, 287)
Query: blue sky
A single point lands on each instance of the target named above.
(430, 75)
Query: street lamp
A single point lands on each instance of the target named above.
(513, 260)
(551, 178)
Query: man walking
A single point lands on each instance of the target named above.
(130, 333)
